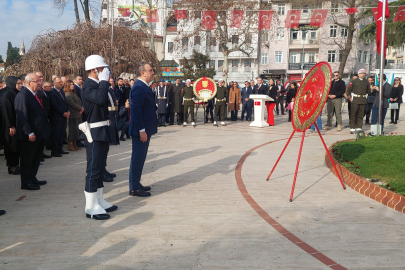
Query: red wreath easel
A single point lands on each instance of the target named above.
(308, 104)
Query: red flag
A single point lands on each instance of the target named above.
(375, 13)
(386, 15)
(236, 18)
(318, 17)
(351, 10)
(400, 14)
(293, 19)
(152, 15)
(180, 14)
(208, 19)
(265, 17)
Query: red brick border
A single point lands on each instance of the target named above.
(361, 185)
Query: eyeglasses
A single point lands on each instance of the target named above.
(396, 80)
(336, 75)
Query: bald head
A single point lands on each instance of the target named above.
(32, 82)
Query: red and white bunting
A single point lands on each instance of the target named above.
(180, 14)
(236, 18)
(400, 14)
(152, 15)
(318, 17)
(351, 10)
(265, 17)
(208, 19)
(293, 19)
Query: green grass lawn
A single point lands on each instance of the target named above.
(376, 158)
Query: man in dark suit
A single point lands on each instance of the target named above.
(58, 117)
(247, 103)
(95, 104)
(280, 97)
(78, 81)
(119, 91)
(142, 126)
(43, 96)
(260, 88)
(32, 130)
(127, 89)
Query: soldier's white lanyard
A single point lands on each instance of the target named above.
(111, 100)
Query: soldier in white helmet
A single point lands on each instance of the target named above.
(95, 103)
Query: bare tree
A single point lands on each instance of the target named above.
(86, 5)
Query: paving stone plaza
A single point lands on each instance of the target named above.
(197, 216)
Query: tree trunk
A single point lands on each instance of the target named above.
(152, 32)
(164, 34)
(76, 11)
(348, 45)
(86, 10)
(225, 67)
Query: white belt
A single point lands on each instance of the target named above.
(187, 99)
(224, 99)
(99, 124)
(112, 109)
(162, 97)
(364, 96)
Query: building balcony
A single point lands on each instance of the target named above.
(299, 44)
(300, 66)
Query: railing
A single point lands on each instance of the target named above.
(298, 66)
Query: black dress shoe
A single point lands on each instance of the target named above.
(99, 216)
(147, 188)
(122, 139)
(46, 156)
(79, 143)
(63, 152)
(111, 209)
(128, 137)
(107, 178)
(56, 155)
(65, 142)
(42, 160)
(48, 148)
(110, 174)
(30, 187)
(2, 212)
(139, 193)
(40, 183)
(15, 172)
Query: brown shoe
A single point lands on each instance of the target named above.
(75, 146)
(71, 147)
(327, 128)
(339, 128)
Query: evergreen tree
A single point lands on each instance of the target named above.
(13, 56)
(1, 59)
(200, 61)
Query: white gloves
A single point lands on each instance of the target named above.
(167, 105)
(104, 75)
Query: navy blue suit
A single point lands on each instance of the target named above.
(31, 118)
(247, 105)
(78, 91)
(143, 116)
(119, 94)
(59, 106)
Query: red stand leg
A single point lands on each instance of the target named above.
(330, 157)
(298, 164)
(285, 147)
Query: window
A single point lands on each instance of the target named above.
(235, 41)
(264, 58)
(265, 36)
(294, 34)
(184, 43)
(293, 57)
(343, 32)
(220, 65)
(340, 56)
(212, 64)
(311, 57)
(331, 56)
(197, 40)
(281, 9)
(278, 57)
(365, 57)
(213, 44)
(313, 35)
(235, 65)
(370, 59)
(332, 30)
(248, 65)
(197, 14)
(170, 47)
(359, 56)
(302, 57)
(334, 8)
(280, 33)
(305, 11)
(248, 40)
(304, 34)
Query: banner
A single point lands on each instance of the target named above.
(236, 18)
(208, 20)
(180, 14)
(386, 15)
(293, 19)
(318, 17)
(265, 17)
(351, 10)
(152, 15)
(375, 13)
(400, 14)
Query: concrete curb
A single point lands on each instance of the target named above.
(361, 185)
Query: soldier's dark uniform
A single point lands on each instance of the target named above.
(188, 95)
(220, 102)
(358, 90)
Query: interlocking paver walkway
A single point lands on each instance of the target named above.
(196, 217)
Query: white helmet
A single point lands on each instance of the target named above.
(94, 61)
